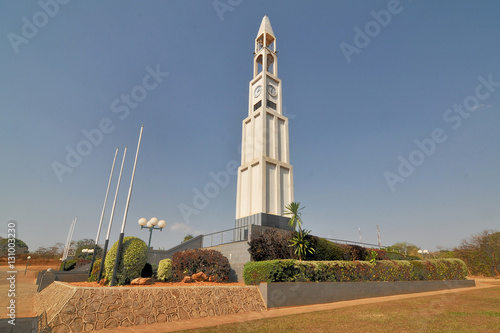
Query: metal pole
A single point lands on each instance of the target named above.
(102, 213)
(101, 269)
(27, 263)
(150, 234)
(68, 242)
(122, 233)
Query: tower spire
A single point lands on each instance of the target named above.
(265, 26)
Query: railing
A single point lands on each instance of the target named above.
(241, 234)
(226, 236)
(351, 242)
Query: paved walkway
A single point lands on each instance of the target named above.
(24, 290)
(278, 312)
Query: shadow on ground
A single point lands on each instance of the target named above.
(22, 325)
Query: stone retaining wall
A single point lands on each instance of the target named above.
(65, 308)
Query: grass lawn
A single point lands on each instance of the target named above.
(471, 311)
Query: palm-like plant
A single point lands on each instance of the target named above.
(294, 209)
(301, 244)
(299, 241)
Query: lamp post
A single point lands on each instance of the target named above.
(144, 223)
(27, 263)
(87, 251)
(423, 253)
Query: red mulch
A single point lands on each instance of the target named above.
(164, 284)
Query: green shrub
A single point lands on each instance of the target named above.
(255, 272)
(95, 270)
(438, 269)
(132, 260)
(326, 250)
(68, 265)
(270, 244)
(191, 261)
(395, 256)
(388, 255)
(165, 270)
(353, 271)
(357, 252)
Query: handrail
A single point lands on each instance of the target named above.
(347, 241)
(236, 236)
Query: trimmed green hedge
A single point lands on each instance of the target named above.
(68, 265)
(291, 270)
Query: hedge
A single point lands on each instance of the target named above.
(68, 265)
(353, 271)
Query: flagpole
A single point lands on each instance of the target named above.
(101, 269)
(120, 240)
(102, 213)
(68, 243)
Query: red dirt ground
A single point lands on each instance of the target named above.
(164, 284)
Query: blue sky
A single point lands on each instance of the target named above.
(357, 102)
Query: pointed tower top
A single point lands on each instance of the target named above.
(265, 26)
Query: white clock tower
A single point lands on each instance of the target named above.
(265, 177)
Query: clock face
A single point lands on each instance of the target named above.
(271, 90)
(257, 91)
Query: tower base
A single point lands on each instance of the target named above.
(265, 220)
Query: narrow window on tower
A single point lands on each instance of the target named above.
(258, 65)
(270, 64)
(271, 105)
(257, 106)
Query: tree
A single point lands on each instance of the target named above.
(299, 241)
(481, 253)
(19, 246)
(45, 252)
(86, 243)
(187, 237)
(405, 248)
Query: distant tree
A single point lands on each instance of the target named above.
(60, 246)
(46, 252)
(20, 247)
(85, 242)
(404, 248)
(481, 253)
(187, 237)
